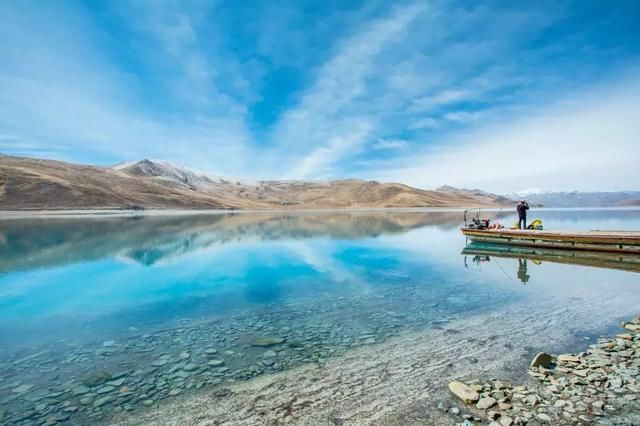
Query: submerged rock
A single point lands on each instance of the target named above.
(222, 392)
(116, 383)
(268, 341)
(464, 392)
(105, 389)
(160, 362)
(96, 379)
(102, 401)
(190, 367)
(22, 389)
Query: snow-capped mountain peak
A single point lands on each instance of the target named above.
(180, 175)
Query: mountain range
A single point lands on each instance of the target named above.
(580, 199)
(558, 199)
(37, 184)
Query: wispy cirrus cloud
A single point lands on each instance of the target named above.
(424, 123)
(328, 123)
(384, 144)
(445, 97)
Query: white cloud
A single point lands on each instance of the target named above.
(445, 97)
(462, 116)
(424, 123)
(316, 162)
(384, 144)
(586, 141)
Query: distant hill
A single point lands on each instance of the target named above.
(478, 193)
(581, 199)
(34, 184)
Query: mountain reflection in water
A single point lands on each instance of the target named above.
(148, 240)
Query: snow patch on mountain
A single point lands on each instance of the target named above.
(184, 176)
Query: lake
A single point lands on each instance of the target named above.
(111, 317)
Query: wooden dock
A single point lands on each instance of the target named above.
(601, 241)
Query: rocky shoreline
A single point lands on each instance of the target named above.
(583, 388)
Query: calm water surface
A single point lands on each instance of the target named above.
(109, 314)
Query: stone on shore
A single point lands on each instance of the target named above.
(568, 358)
(464, 392)
(632, 327)
(544, 417)
(542, 359)
(506, 421)
(486, 403)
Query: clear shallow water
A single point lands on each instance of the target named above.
(136, 302)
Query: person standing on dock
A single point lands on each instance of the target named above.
(522, 214)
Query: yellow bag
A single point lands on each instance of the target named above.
(536, 224)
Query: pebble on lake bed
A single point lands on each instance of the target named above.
(578, 389)
(268, 341)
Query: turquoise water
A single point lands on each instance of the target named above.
(135, 302)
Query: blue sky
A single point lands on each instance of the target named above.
(499, 95)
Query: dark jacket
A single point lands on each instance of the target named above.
(522, 209)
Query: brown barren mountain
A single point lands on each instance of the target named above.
(34, 184)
